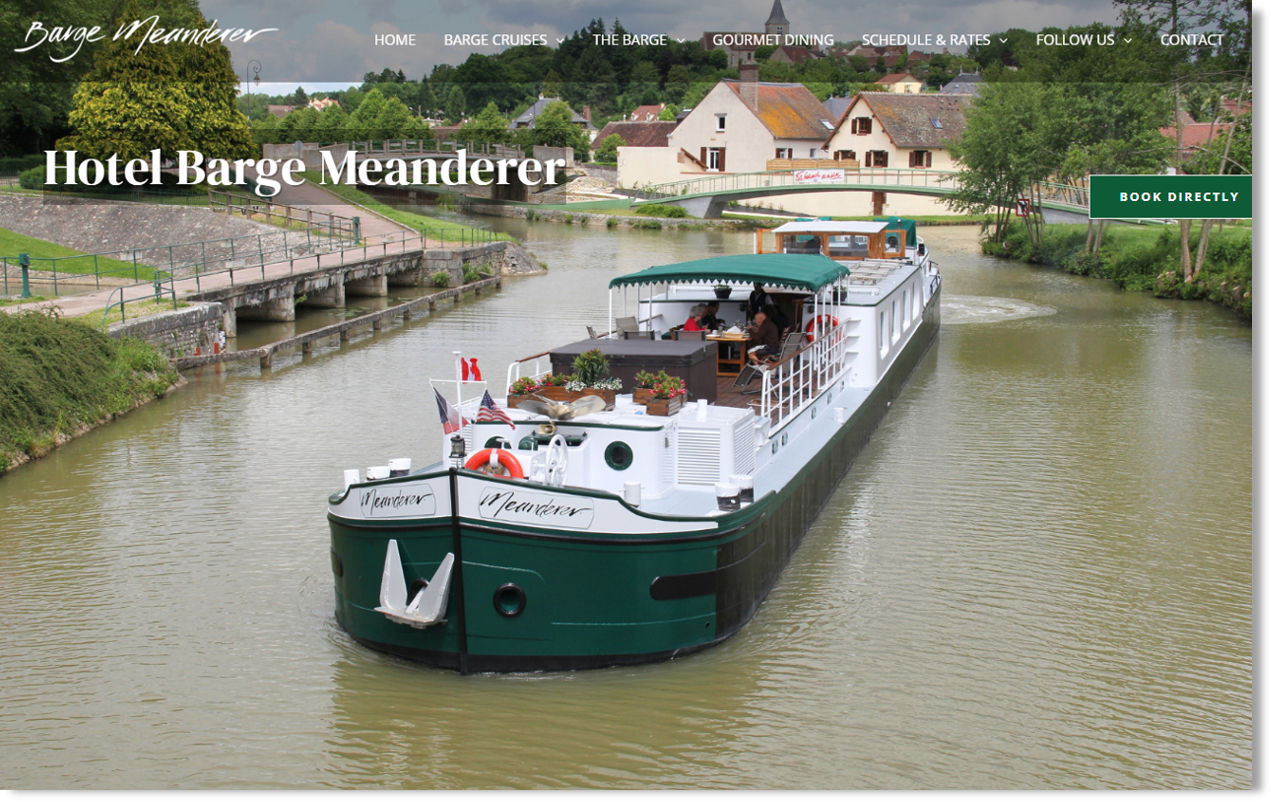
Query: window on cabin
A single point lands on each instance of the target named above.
(862, 125)
(720, 122)
(919, 158)
(785, 153)
(875, 158)
(844, 155)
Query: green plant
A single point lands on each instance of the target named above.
(661, 210)
(653, 225)
(663, 384)
(441, 278)
(590, 367)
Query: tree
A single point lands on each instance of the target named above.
(36, 92)
(364, 121)
(173, 97)
(1003, 152)
(607, 150)
(487, 127)
(332, 125)
(556, 127)
(456, 104)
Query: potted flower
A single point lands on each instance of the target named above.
(548, 386)
(722, 291)
(661, 393)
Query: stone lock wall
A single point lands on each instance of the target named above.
(178, 333)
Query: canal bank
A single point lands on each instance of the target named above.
(191, 336)
(1144, 259)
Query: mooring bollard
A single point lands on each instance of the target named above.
(24, 261)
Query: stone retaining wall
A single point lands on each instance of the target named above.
(178, 333)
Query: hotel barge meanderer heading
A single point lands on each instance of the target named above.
(566, 530)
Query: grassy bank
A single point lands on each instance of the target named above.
(59, 378)
(1146, 259)
(48, 256)
(433, 227)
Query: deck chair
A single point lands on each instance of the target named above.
(592, 333)
(626, 324)
(680, 334)
(637, 335)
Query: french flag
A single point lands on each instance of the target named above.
(451, 419)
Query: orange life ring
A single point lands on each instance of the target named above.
(481, 461)
(812, 325)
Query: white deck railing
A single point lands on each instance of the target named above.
(793, 383)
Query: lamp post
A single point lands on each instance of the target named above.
(253, 67)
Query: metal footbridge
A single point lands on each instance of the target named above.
(708, 195)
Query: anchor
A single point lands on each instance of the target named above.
(428, 607)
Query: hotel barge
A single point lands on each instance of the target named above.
(596, 533)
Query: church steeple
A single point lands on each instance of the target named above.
(777, 22)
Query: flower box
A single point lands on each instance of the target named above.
(561, 394)
(663, 406)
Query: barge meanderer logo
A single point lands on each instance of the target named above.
(403, 501)
(535, 508)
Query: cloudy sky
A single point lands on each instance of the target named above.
(331, 41)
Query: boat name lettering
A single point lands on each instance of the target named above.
(397, 502)
(535, 508)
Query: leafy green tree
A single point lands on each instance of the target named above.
(555, 127)
(487, 127)
(456, 104)
(35, 91)
(392, 120)
(174, 96)
(1002, 151)
(332, 125)
(299, 125)
(607, 150)
(364, 121)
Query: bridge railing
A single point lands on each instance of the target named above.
(943, 180)
(418, 147)
(281, 214)
(935, 181)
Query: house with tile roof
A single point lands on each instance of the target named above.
(529, 117)
(886, 129)
(901, 83)
(966, 83)
(741, 124)
(648, 134)
(646, 114)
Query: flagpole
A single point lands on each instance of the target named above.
(458, 384)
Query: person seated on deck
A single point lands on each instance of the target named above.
(764, 334)
(710, 317)
(778, 319)
(694, 322)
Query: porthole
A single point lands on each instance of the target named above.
(618, 455)
(509, 600)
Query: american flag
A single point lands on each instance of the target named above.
(451, 419)
(490, 411)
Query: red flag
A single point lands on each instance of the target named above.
(451, 419)
(470, 372)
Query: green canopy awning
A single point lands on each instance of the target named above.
(807, 271)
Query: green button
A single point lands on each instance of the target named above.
(1132, 197)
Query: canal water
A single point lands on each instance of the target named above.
(1037, 575)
